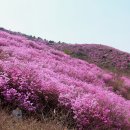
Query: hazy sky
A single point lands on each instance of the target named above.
(73, 21)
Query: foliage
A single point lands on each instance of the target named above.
(36, 78)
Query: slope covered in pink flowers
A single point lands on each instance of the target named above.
(36, 77)
(101, 55)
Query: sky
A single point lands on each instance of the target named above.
(72, 21)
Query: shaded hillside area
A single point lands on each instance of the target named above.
(40, 80)
(101, 55)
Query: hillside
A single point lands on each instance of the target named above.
(101, 55)
(38, 78)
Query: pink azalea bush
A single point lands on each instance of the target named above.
(36, 77)
(126, 81)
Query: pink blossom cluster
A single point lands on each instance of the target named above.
(126, 81)
(34, 75)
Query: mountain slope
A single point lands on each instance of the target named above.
(36, 78)
(101, 55)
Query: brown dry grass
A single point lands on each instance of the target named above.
(9, 123)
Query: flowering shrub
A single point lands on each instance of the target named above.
(36, 77)
(126, 81)
(107, 77)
